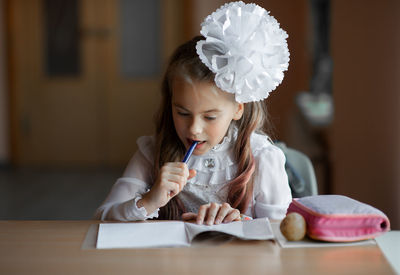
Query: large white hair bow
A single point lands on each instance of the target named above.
(246, 49)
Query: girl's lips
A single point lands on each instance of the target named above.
(199, 144)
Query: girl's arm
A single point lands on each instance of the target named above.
(272, 193)
(121, 202)
(131, 197)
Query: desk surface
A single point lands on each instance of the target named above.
(54, 247)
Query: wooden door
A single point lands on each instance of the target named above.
(93, 115)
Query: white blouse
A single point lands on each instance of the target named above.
(215, 169)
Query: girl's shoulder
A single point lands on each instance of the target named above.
(146, 145)
(262, 144)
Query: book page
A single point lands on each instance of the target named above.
(141, 235)
(257, 229)
(174, 233)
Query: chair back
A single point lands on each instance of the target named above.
(300, 172)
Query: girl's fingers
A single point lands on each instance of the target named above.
(223, 211)
(176, 172)
(232, 216)
(171, 180)
(189, 216)
(202, 213)
(174, 189)
(192, 173)
(177, 179)
(215, 213)
(212, 213)
(173, 173)
(178, 168)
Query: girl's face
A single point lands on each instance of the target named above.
(202, 112)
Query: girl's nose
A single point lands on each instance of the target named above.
(195, 127)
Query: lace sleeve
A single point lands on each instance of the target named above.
(120, 203)
(271, 188)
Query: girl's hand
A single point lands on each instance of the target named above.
(213, 213)
(172, 178)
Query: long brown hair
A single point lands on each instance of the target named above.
(170, 148)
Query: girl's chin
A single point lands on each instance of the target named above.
(199, 153)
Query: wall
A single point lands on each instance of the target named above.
(94, 116)
(366, 131)
(4, 153)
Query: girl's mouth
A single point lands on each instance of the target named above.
(199, 144)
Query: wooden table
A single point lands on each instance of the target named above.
(55, 247)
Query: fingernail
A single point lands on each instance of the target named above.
(217, 221)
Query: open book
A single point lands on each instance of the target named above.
(175, 233)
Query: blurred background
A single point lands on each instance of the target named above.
(80, 81)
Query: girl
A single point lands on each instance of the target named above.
(235, 169)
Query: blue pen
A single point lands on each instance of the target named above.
(189, 151)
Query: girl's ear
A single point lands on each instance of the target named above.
(239, 111)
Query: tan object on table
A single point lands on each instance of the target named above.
(55, 247)
(293, 227)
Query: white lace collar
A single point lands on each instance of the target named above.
(226, 141)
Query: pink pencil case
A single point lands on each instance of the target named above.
(337, 218)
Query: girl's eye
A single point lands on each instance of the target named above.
(183, 114)
(210, 117)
